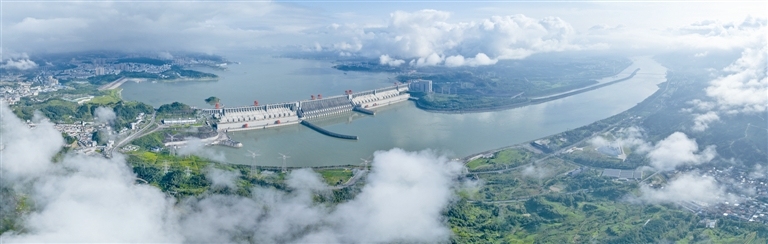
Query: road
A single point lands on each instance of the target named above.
(114, 84)
(558, 152)
(358, 174)
(134, 135)
(525, 198)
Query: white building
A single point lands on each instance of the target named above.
(420, 86)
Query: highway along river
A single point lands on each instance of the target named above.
(273, 80)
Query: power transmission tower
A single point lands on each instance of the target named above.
(365, 163)
(172, 147)
(253, 155)
(283, 156)
(165, 167)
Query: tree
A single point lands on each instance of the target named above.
(99, 137)
(212, 100)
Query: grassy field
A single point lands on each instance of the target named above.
(503, 159)
(335, 176)
(523, 182)
(108, 97)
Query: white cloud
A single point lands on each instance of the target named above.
(701, 121)
(537, 172)
(478, 60)
(33, 154)
(685, 187)
(700, 35)
(157, 26)
(20, 64)
(386, 60)
(104, 115)
(165, 55)
(196, 146)
(745, 88)
(80, 198)
(431, 60)
(428, 38)
(702, 105)
(677, 150)
(631, 137)
(222, 178)
(93, 199)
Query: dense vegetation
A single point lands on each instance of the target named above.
(529, 205)
(175, 110)
(522, 207)
(128, 111)
(212, 100)
(56, 109)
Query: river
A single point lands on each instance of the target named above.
(272, 80)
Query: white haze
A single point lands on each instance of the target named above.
(631, 137)
(701, 121)
(685, 187)
(745, 87)
(93, 199)
(537, 172)
(20, 64)
(678, 150)
(673, 151)
(222, 178)
(196, 146)
(104, 115)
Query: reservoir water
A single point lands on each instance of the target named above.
(272, 80)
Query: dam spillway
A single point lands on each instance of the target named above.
(273, 115)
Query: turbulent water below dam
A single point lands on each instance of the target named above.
(275, 80)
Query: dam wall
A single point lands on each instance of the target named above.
(324, 107)
(388, 100)
(272, 115)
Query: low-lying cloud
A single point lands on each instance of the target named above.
(196, 146)
(386, 60)
(222, 178)
(93, 199)
(631, 137)
(685, 187)
(104, 115)
(701, 121)
(671, 152)
(20, 64)
(745, 88)
(678, 150)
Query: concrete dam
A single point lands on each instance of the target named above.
(273, 115)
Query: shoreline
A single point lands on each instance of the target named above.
(468, 158)
(119, 82)
(532, 101)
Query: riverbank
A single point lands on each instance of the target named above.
(119, 82)
(623, 118)
(531, 101)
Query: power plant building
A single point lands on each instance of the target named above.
(420, 86)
